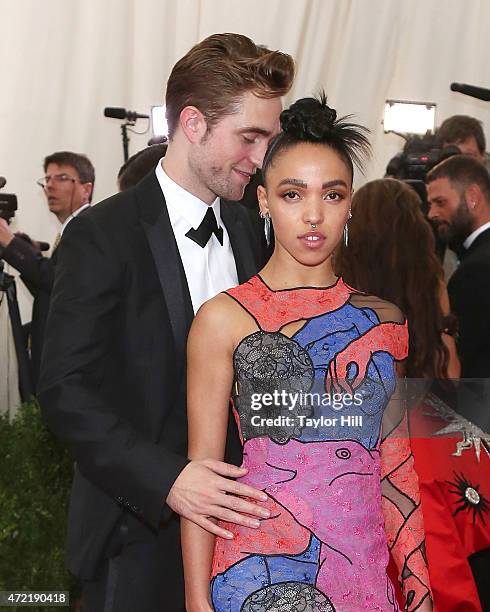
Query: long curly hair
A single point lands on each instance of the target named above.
(391, 254)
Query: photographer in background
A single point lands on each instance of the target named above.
(467, 134)
(68, 185)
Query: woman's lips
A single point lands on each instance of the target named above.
(313, 240)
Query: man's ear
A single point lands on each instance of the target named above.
(88, 188)
(193, 124)
(262, 197)
(473, 196)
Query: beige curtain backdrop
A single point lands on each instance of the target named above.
(63, 61)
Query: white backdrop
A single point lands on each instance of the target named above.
(63, 61)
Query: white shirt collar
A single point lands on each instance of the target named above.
(72, 216)
(183, 203)
(474, 235)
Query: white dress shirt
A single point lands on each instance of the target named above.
(474, 235)
(208, 270)
(72, 216)
(63, 227)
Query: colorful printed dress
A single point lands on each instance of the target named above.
(324, 435)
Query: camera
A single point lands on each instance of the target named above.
(8, 206)
(420, 154)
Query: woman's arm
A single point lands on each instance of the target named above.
(401, 506)
(209, 382)
(453, 366)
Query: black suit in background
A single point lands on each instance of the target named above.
(469, 295)
(113, 386)
(37, 273)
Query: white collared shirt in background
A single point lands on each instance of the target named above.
(72, 216)
(208, 270)
(63, 227)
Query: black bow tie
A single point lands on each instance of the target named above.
(208, 226)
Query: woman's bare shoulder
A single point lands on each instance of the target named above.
(386, 311)
(223, 318)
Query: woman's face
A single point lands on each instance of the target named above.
(308, 194)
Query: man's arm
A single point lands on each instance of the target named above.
(36, 271)
(109, 451)
(469, 296)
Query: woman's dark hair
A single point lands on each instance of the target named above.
(311, 120)
(391, 254)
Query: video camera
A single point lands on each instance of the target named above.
(8, 206)
(8, 203)
(420, 154)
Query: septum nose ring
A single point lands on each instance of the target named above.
(313, 225)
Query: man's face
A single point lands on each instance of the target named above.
(223, 162)
(469, 146)
(449, 211)
(64, 191)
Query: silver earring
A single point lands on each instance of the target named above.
(346, 230)
(267, 227)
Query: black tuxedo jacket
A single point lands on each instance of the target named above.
(113, 373)
(469, 295)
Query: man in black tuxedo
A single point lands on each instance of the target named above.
(131, 275)
(459, 196)
(68, 186)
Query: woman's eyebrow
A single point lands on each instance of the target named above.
(293, 181)
(300, 183)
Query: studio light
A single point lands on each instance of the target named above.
(404, 117)
(159, 125)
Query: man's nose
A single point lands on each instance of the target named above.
(431, 213)
(258, 153)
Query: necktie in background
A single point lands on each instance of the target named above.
(56, 242)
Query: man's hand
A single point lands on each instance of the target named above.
(34, 243)
(203, 489)
(6, 236)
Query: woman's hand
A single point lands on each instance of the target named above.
(425, 606)
(201, 605)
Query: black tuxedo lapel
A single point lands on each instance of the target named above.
(156, 224)
(240, 240)
(483, 238)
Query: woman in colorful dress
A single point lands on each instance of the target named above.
(311, 366)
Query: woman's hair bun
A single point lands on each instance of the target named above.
(312, 120)
(308, 119)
